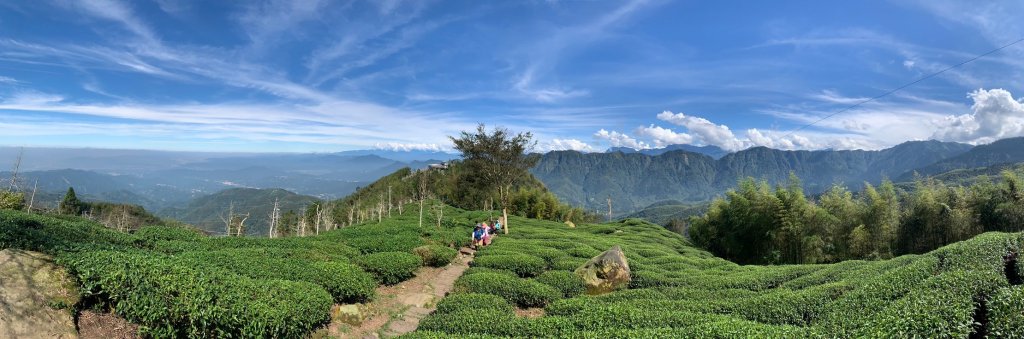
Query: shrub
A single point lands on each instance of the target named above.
(174, 298)
(436, 256)
(54, 234)
(344, 281)
(390, 267)
(568, 283)
(522, 264)
(522, 292)
(474, 302)
(149, 235)
(1006, 313)
(568, 263)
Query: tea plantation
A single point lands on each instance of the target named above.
(961, 290)
(177, 283)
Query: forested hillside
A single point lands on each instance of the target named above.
(255, 205)
(999, 152)
(635, 180)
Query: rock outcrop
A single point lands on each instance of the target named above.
(606, 272)
(36, 297)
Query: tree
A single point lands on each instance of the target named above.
(11, 200)
(499, 159)
(70, 205)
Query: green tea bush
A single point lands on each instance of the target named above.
(390, 267)
(474, 302)
(1006, 313)
(149, 235)
(570, 284)
(522, 292)
(522, 264)
(53, 234)
(170, 297)
(344, 281)
(568, 263)
(436, 256)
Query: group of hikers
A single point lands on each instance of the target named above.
(483, 233)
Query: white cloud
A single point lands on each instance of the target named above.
(616, 139)
(663, 136)
(994, 115)
(704, 130)
(909, 64)
(7, 80)
(568, 145)
(409, 147)
(525, 86)
(834, 97)
(778, 140)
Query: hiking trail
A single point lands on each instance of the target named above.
(398, 309)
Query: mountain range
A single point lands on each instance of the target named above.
(635, 180)
(162, 179)
(709, 150)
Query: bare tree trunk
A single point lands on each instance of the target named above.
(241, 225)
(229, 219)
(440, 213)
(13, 187)
(389, 201)
(319, 217)
(274, 215)
(351, 214)
(33, 200)
(421, 212)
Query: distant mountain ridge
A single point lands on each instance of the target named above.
(709, 150)
(1000, 152)
(635, 180)
(160, 179)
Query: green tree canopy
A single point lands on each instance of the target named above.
(70, 205)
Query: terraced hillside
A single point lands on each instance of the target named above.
(965, 289)
(177, 283)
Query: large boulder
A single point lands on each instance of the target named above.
(36, 297)
(606, 272)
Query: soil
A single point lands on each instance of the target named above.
(35, 296)
(96, 325)
(398, 309)
(533, 312)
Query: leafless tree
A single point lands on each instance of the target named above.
(275, 217)
(439, 212)
(422, 194)
(35, 187)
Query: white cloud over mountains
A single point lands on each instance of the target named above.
(994, 115)
(616, 139)
(403, 147)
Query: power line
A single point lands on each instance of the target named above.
(929, 76)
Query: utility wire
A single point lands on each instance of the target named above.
(929, 76)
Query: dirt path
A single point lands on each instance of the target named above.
(398, 309)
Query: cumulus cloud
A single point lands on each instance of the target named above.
(994, 115)
(705, 130)
(408, 147)
(756, 137)
(568, 145)
(617, 139)
(663, 136)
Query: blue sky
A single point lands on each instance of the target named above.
(316, 76)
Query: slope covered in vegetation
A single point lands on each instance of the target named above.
(175, 282)
(967, 288)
